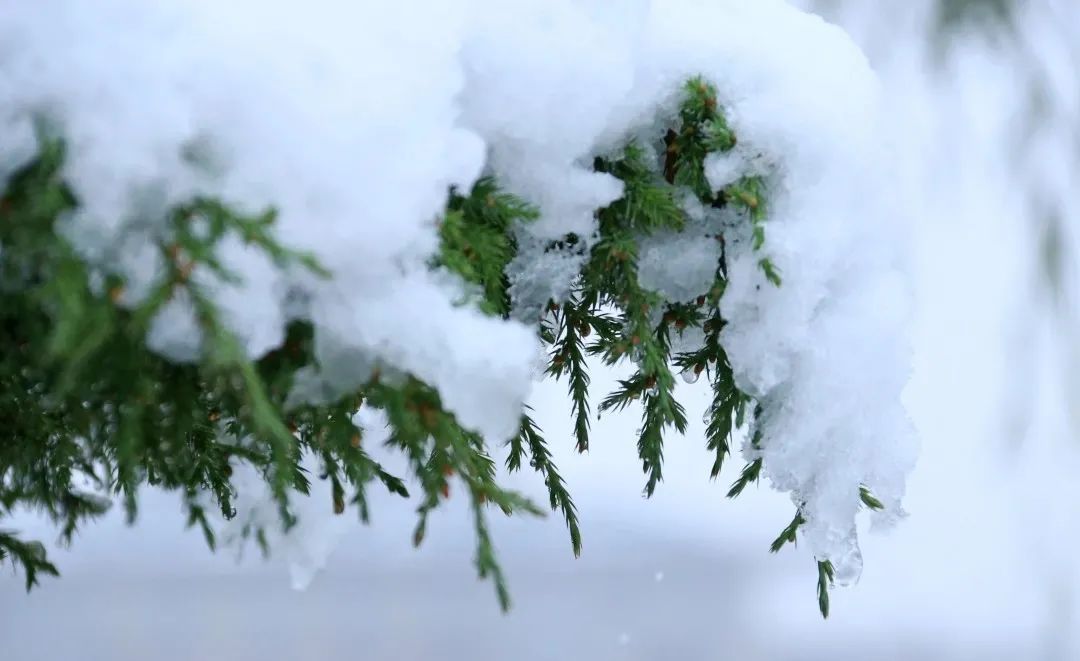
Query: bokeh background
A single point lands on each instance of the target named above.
(984, 100)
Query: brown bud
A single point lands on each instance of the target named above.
(339, 505)
(355, 440)
(184, 270)
(429, 416)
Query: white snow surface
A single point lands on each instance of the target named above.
(352, 120)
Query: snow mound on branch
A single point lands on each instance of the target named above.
(827, 352)
(353, 118)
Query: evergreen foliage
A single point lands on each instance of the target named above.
(89, 409)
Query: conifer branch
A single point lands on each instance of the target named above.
(788, 534)
(824, 582)
(568, 358)
(87, 399)
(559, 498)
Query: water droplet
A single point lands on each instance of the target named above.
(653, 392)
(848, 564)
(706, 417)
(690, 375)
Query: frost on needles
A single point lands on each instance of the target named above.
(227, 277)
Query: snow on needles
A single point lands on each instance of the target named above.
(352, 119)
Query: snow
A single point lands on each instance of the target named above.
(724, 169)
(353, 119)
(681, 266)
(307, 546)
